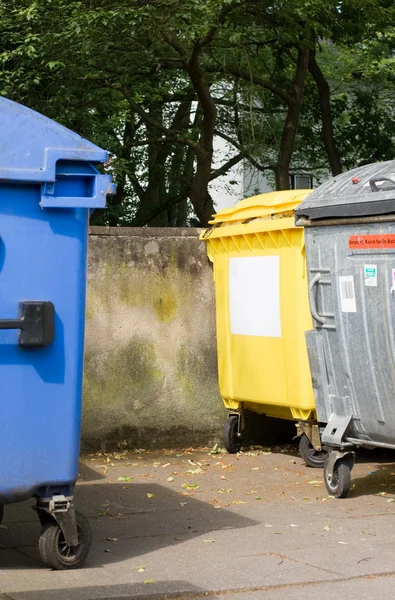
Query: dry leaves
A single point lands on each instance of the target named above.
(190, 486)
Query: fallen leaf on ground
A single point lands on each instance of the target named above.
(255, 469)
(112, 539)
(166, 465)
(150, 495)
(390, 500)
(209, 540)
(315, 482)
(190, 486)
(125, 478)
(169, 479)
(141, 569)
(327, 528)
(238, 502)
(149, 581)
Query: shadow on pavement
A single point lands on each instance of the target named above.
(378, 481)
(158, 590)
(128, 520)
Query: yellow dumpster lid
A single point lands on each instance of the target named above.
(261, 206)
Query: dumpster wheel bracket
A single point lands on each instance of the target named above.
(337, 472)
(61, 510)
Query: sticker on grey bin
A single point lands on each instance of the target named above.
(347, 294)
(370, 275)
(393, 281)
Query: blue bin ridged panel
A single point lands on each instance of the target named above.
(42, 257)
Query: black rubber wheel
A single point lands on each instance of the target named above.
(339, 485)
(312, 457)
(231, 438)
(1, 513)
(54, 551)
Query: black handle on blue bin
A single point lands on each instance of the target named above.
(36, 323)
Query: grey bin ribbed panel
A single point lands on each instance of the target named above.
(351, 270)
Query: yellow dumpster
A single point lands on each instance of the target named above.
(262, 313)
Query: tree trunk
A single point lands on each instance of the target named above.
(199, 195)
(326, 115)
(177, 214)
(291, 122)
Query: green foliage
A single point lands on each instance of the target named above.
(121, 73)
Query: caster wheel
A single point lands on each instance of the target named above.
(339, 485)
(1, 513)
(312, 457)
(54, 551)
(231, 438)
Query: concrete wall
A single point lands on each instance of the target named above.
(150, 363)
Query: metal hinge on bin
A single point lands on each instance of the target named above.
(59, 504)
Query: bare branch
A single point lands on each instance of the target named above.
(175, 43)
(246, 108)
(251, 78)
(226, 166)
(224, 12)
(228, 139)
(246, 155)
(171, 134)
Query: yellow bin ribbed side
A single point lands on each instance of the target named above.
(264, 370)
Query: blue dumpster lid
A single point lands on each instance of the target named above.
(31, 145)
(364, 191)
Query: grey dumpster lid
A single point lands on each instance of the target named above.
(365, 191)
(31, 145)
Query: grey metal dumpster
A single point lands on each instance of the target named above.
(350, 252)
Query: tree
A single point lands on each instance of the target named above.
(284, 84)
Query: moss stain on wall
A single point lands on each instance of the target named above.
(163, 377)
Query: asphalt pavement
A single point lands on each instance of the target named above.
(258, 525)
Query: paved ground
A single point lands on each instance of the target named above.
(256, 526)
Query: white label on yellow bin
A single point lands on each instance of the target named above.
(254, 296)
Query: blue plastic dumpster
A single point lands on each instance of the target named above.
(48, 186)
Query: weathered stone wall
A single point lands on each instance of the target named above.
(150, 362)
